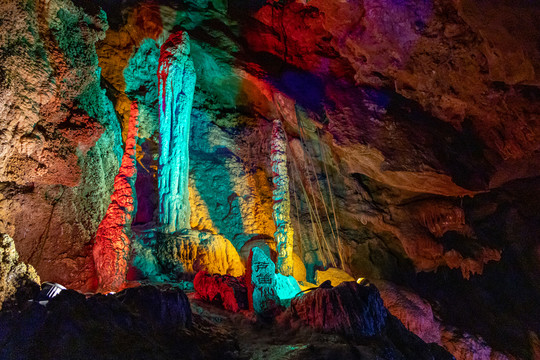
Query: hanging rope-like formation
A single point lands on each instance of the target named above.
(324, 154)
(307, 159)
(315, 221)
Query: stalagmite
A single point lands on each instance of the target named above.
(176, 84)
(112, 245)
(282, 200)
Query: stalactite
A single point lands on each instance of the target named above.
(176, 85)
(112, 245)
(282, 200)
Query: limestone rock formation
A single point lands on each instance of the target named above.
(176, 84)
(348, 308)
(414, 312)
(261, 283)
(192, 251)
(336, 276)
(225, 290)
(282, 200)
(61, 145)
(417, 316)
(14, 275)
(112, 248)
(419, 119)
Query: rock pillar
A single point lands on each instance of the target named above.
(176, 85)
(282, 200)
(261, 283)
(112, 246)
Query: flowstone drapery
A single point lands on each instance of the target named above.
(282, 200)
(112, 246)
(176, 85)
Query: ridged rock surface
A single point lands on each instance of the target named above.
(61, 144)
(225, 290)
(14, 275)
(352, 309)
(112, 246)
(419, 119)
(193, 251)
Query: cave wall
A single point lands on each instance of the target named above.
(413, 133)
(60, 136)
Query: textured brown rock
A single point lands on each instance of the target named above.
(61, 148)
(13, 273)
(418, 119)
(414, 312)
(417, 316)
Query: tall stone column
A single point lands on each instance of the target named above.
(176, 85)
(112, 246)
(282, 200)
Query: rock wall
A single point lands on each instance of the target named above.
(417, 120)
(15, 276)
(61, 140)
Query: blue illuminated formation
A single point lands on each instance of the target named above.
(176, 85)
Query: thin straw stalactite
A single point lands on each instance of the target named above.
(337, 240)
(315, 220)
(331, 195)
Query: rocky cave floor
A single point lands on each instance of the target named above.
(161, 322)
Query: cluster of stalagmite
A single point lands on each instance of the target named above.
(282, 200)
(176, 85)
(112, 246)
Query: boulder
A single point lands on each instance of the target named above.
(286, 288)
(261, 283)
(350, 309)
(163, 308)
(137, 323)
(226, 290)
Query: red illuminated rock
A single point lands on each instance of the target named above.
(228, 291)
(349, 308)
(112, 245)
